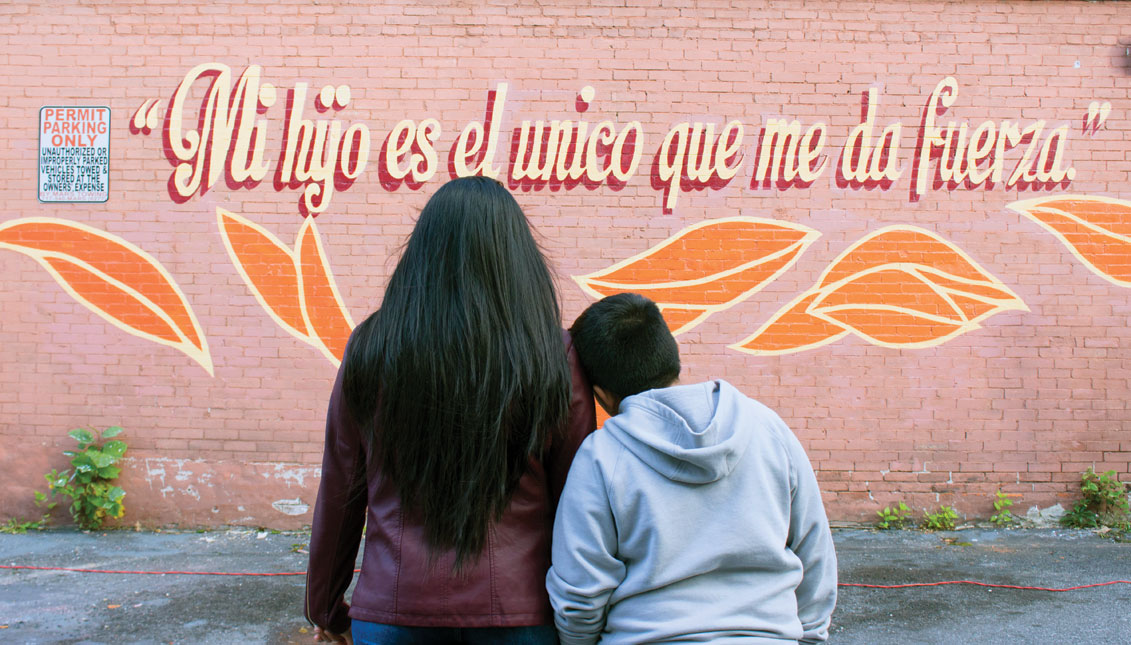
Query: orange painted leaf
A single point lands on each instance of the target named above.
(975, 300)
(296, 286)
(678, 319)
(986, 289)
(891, 305)
(972, 308)
(322, 306)
(602, 416)
(705, 250)
(1107, 213)
(113, 278)
(902, 245)
(894, 328)
(792, 329)
(1097, 230)
(897, 287)
(128, 310)
(709, 295)
(706, 267)
(268, 267)
(892, 288)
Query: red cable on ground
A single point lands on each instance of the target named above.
(840, 584)
(982, 584)
(151, 573)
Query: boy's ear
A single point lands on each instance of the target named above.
(609, 401)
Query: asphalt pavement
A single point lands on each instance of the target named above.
(48, 606)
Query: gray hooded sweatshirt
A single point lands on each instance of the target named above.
(693, 516)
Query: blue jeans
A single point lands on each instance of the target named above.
(365, 633)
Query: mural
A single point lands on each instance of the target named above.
(914, 250)
(706, 267)
(1096, 229)
(295, 286)
(123, 284)
(321, 153)
(899, 287)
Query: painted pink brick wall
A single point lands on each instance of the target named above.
(1024, 404)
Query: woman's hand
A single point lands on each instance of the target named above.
(323, 636)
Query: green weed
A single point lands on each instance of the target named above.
(88, 483)
(940, 520)
(1104, 502)
(894, 517)
(1002, 516)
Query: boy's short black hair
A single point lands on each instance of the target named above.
(625, 346)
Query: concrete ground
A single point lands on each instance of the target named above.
(63, 607)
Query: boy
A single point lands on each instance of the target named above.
(694, 515)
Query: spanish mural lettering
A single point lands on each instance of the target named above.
(321, 155)
(899, 286)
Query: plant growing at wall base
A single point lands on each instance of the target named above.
(940, 520)
(89, 481)
(1104, 504)
(1080, 517)
(18, 526)
(1002, 516)
(894, 517)
(1106, 493)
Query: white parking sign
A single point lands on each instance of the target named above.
(74, 154)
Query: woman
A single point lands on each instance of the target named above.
(451, 427)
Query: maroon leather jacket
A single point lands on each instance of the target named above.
(505, 588)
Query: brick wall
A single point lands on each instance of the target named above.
(903, 391)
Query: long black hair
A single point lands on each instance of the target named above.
(466, 357)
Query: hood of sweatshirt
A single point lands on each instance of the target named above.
(687, 433)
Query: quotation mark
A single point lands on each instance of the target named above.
(146, 117)
(1097, 114)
